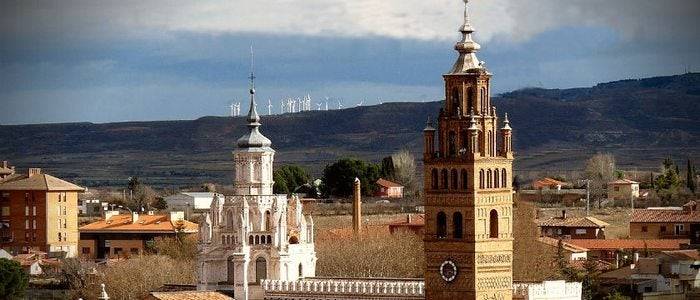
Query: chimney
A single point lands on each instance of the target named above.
(177, 216)
(563, 213)
(34, 171)
(357, 207)
(134, 217)
(4, 164)
(636, 257)
(408, 218)
(111, 213)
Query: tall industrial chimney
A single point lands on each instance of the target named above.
(357, 207)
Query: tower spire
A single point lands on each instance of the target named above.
(466, 48)
(253, 138)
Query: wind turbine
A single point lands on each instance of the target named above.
(361, 102)
(340, 104)
(326, 103)
(232, 106)
(318, 105)
(269, 106)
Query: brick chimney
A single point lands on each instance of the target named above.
(357, 207)
(34, 171)
(408, 218)
(563, 213)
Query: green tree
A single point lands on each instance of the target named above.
(668, 185)
(159, 203)
(13, 280)
(289, 178)
(690, 177)
(339, 177)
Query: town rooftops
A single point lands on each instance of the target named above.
(623, 181)
(386, 183)
(564, 243)
(188, 295)
(601, 244)
(34, 180)
(691, 254)
(143, 224)
(547, 182)
(575, 222)
(665, 215)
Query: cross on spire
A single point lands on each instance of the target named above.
(252, 70)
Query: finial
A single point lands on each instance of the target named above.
(472, 123)
(103, 294)
(466, 15)
(252, 70)
(429, 125)
(506, 123)
(253, 117)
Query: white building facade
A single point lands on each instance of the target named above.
(254, 234)
(191, 201)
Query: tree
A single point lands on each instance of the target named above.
(13, 280)
(289, 178)
(401, 167)
(600, 169)
(690, 177)
(339, 177)
(668, 185)
(159, 203)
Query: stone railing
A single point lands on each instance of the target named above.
(548, 290)
(345, 288)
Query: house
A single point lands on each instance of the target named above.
(623, 189)
(190, 202)
(38, 212)
(666, 223)
(92, 207)
(412, 223)
(123, 235)
(548, 184)
(573, 227)
(388, 189)
(615, 250)
(6, 170)
(572, 252)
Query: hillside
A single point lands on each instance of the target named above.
(556, 129)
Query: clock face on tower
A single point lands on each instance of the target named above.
(448, 271)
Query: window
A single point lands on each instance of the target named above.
(118, 251)
(441, 225)
(481, 179)
(250, 240)
(662, 229)
(34, 224)
(457, 225)
(86, 250)
(301, 271)
(679, 229)
(581, 231)
(465, 179)
(26, 224)
(470, 99)
(493, 224)
(488, 179)
(455, 100)
(260, 269)
(645, 229)
(452, 143)
(268, 221)
(64, 211)
(496, 180)
(60, 236)
(5, 211)
(443, 175)
(26, 210)
(65, 223)
(504, 181)
(134, 250)
(434, 179)
(455, 179)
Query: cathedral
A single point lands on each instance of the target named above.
(254, 234)
(468, 163)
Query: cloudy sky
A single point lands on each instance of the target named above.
(104, 61)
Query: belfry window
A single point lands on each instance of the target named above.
(444, 178)
(493, 224)
(495, 178)
(465, 179)
(504, 180)
(260, 269)
(470, 99)
(434, 179)
(455, 100)
(481, 178)
(457, 225)
(441, 225)
(454, 179)
(452, 138)
(488, 179)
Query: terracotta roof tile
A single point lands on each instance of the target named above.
(683, 254)
(145, 223)
(38, 182)
(623, 181)
(573, 222)
(664, 216)
(189, 295)
(601, 244)
(567, 246)
(386, 183)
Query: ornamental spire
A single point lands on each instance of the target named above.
(467, 47)
(253, 117)
(506, 123)
(253, 138)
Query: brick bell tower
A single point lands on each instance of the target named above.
(468, 169)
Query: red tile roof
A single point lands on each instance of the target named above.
(548, 182)
(601, 244)
(145, 223)
(573, 222)
(37, 182)
(416, 220)
(386, 183)
(555, 243)
(664, 216)
(623, 181)
(683, 254)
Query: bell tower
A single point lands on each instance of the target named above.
(468, 169)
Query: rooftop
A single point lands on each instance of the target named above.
(623, 181)
(692, 254)
(144, 223)
(386, 183)
(665, 215)
(601, 244)
(573, 222)
(37, 181)
(189, 295)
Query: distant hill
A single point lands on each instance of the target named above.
(556, 129)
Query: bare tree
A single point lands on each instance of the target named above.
(405, 169)
(600, 169)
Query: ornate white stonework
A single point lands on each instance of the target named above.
(254, 234)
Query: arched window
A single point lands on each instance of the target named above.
(301, 271)
(441, 225)
(470, 99)
(481, 178)
(457, 225)
(444, 178)
(269, 239)
(250, 240)
(223, 239)
(493, 224)
(455, 179)
(463, 140)
(293, 240)
(229, 219)
(504, 178)
(452, 144)
(465, 179)
(496, 180)
(434, 179)
(268, 221)
(260, 269)
(455, 100)
(488, 179)
(257, 239)
(484, 102)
